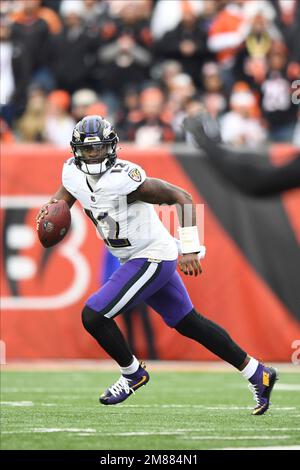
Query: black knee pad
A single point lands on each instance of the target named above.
(89, 318)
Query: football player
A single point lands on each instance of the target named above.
(118, 197)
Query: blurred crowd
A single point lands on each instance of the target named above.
(146, 64)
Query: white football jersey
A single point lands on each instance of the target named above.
(129, 230)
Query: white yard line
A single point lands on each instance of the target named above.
(234, 438)
(288, 387)
(204, 407)
(179, 432)
(25, 403)
(275, 409)
(268, 429)
(50, 430)
(16, 403)
(95, 432)
(156, 405)
(255, 429)
(19, 390)
(46, 390)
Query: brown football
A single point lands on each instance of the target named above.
(55, 225)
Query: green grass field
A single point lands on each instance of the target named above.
(176, 410)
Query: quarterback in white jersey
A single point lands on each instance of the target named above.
(119, 198)
(129, 230)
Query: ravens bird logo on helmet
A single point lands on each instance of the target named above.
(94, 142)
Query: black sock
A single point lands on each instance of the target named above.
(212, 336)
(109, 336)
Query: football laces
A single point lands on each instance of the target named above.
(121, 385)
(255, 392)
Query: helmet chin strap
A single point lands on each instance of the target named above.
(96, 168)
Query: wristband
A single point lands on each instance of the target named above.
(189, 239)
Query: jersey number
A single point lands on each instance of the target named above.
(118, 167)
(107, 223)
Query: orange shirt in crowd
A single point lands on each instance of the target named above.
(49, 16)
(227, 33)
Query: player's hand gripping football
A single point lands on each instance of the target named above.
(44, 211)
(190, 264)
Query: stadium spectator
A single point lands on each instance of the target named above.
(166, 19)
(186, 43)
(288, 21)
(7, 83)
(151, 126)
(190, 107)
(251, 61)
(30, 35)
(208, 12)
(7, 7)
(15, 74)
(181, 91)
(241, 125)
(53, 4)
(94, 13)
(73, 50)
(98, 108)
(193, 106)
(277, 106)
(129, 108)
(181, 88)
(226, 35)
(50, 16)
(31, 126)
(81, 100)
(125, 56)
(115, 7)
(213, 96)
(37, 8)
(57, 117)
(163, 72)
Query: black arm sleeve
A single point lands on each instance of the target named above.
(250, 172)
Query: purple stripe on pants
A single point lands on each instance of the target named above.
(139, 280)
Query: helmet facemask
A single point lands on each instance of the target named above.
(94, 159)
(94, 143)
